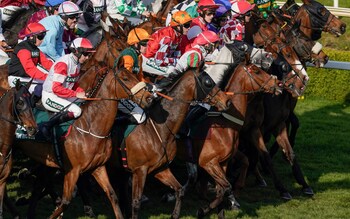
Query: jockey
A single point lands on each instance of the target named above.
(28, 62)
(190, 6)
(137, 39)
(132, 10)
(88, 23)
(203, 45)
(9, 7)
(206, 10)
(60, 89)
(265, 6)
(223, 13)
(164, 48)
(68, 14)
(234, 32)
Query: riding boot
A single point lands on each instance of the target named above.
(46, 127)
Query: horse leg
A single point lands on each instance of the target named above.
(138, 183)
(167, 178)
(70, 180)
(299, 177)
(283, 142)
(267, 162)
(100, 174)
(243, 160)
(294, 125)
(222, 185)
(82, 184)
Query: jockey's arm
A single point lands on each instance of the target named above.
(59, 77)
(29, 66)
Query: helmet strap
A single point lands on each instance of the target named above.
(137, 48)
(179, 29)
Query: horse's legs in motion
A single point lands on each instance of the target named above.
(102, 179)
(83, 184)
(222, 185)
(70, 179)
(167, 177)
(138, 183)
(267, 162)
(283, 142)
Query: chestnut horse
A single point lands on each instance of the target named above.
(220, 144)
(314, 18)
(15, 110)
(88, 146)
(158, 147)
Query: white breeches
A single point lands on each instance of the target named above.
(35, 87)
(54, 103)
(130, 107)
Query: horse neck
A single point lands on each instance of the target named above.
(183, 92)
(166, 9)
(240, 82)
(305, 23)
(100, 115)
(7, 112)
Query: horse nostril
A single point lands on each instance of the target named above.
(343, 29)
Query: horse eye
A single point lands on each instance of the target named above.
(20, 104)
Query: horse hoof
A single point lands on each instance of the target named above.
(308, 191)
(200, 213)
(286, 196)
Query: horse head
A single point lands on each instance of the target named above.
(22, 108)
(126, 85)
(315, 18)
(267, 37)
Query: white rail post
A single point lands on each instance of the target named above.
(336, 3)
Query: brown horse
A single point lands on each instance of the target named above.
(306, 49)
(263, 35)
(18, 20)
(314, 18)
(221, 134)
(158, 147)
(88, 146)
(15, 110)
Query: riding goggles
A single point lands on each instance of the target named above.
(143, 43)
(187, 25)
(41, 36)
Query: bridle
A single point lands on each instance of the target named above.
(20, 104)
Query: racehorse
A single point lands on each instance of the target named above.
(263, 35)
(314, 18)
(15, 110)
(306, 49)
(221, 133)
(88, 145)
(158, 147)
(17, 22)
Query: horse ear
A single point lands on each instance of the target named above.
(120, 63)
(29, 83)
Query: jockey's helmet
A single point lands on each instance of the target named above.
(207, 5)
(180, 18)
(52, 3)
(34, 29)
(81, 45)
(137, 35)
(69, 9)
(39, 2)
(206, 37)
(241, 7)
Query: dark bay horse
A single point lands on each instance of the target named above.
(157, 148)
(15, 110)
(88, 146)
(18, 20)
(306, 49)
(314, 18)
